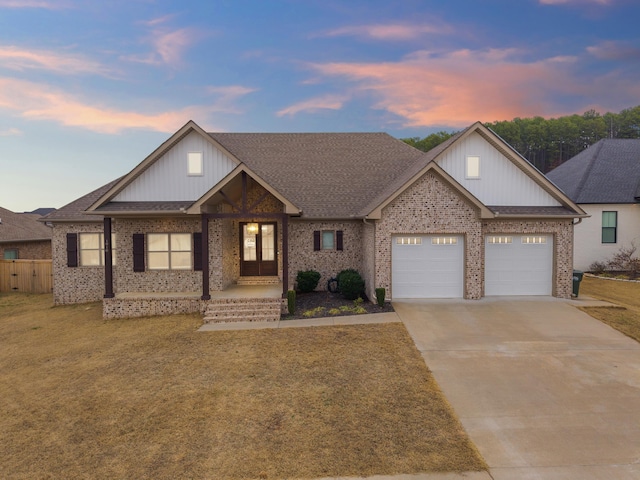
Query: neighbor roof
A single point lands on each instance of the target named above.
(606, 172)
(22, 227)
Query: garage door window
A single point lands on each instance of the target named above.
(499, 240)
(409, 241)
(534, 240)
(444, 240)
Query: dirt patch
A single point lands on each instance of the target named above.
(327, 304)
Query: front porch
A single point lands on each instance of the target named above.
(235, 303)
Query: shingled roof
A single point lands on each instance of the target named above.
(606, 172)
(328, 175)
(74, 211)
(22, 227)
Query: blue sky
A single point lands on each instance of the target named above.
(89, 88)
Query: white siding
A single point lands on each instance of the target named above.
(587, 237)
(500, 183)
(167, 179)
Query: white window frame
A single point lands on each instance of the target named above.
(195, 164)
(169, 253)
(472, 167)
(100, 249)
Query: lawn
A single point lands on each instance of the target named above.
(624, 294)
(153, 398)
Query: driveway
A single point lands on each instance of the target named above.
(543, 390)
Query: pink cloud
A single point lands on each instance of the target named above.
(460, 87)
(327, 102)
(10, 132)
(40, 102)
(20, 59)
(611, 50)
(168, 45)
(389, 31)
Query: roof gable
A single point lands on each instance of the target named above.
(606, 172)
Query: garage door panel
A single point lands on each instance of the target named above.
(424, 269)
(518, 265)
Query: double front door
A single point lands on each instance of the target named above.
(258, 252)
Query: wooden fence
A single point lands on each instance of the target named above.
(28, 276)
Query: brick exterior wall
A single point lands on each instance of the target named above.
(327, 262)
(430, 206)
(562, 231)
(76, 284)
(36, 250)
(369, 259)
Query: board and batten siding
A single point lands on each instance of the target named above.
(500, 183)
(167, 179)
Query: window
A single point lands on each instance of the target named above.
(169, 251)
(473, 166)
(534, 240)
(194, 164)
(609, 227)
(499, 240)
(409, 241)
(91, 249)
(444, 240)
(328, 240)
(10, 254)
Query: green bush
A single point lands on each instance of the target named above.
(350, 284)
(291, 302)
(307, 280)
(380, 294)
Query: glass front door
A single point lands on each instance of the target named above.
(258, 249)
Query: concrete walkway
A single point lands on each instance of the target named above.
(543, 390)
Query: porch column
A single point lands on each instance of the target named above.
(285, 255)
(108, 259)
(205, 257)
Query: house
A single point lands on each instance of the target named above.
(22, 236)
(604, 180)
(208, 211)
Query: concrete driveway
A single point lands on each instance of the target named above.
(544, 390)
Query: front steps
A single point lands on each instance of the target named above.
(258, 280)
(224, 310)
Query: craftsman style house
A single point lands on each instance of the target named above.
(206, 212)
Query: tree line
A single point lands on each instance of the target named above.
(546, 143)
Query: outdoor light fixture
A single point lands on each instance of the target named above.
(252, 228)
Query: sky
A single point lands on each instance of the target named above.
(89, 88)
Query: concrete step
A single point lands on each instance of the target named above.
(243, 310)
(258, 280)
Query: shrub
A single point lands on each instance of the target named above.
(597, 267)
(350, 284)
(380, 294)
(307, 280)
(625, 260)
(291, 302)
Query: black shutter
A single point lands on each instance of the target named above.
(138, 252)
(316, 240)
(72, 249)
(339, 244)
(197, 251)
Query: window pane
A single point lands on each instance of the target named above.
(158, 242)
(180, 260)
(158, 260)
(90, 258)
(609, 219)
(608, 235)
(473, 167)
(194, 161)
(90, 241)
(11, 254)
(181, 242)
(268, 243)
(327, 241)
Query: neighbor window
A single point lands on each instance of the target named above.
(91, 249)
(169, 251)
(473, 166)
(609, 227)
(194, 163)
(10, 254)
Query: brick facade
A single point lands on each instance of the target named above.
(36, 250)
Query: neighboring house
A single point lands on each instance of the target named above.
(604, 180)
(206, 211)
(22, 236)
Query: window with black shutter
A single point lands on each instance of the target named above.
(72, 249)
(138, 252)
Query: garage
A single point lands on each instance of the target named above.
(427, 266)
(518, 265)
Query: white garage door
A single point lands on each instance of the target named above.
(426, 266)
(518, 265)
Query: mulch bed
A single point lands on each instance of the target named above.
(306, 302)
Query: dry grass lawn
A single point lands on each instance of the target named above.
(152, 398)
(625, 294)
